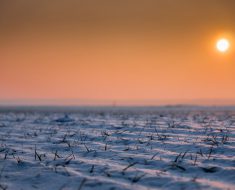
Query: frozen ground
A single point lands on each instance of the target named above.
(117, 148)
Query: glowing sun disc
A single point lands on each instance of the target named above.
(222, 45)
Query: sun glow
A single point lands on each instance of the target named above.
(223, 45)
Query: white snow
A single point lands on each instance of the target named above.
(117, 148)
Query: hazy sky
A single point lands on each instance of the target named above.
(116, 50)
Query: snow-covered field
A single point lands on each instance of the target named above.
(117, 148)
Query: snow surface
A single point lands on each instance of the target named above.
(117, 148)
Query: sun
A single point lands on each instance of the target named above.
(223, 45)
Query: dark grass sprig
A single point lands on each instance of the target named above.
(37, 155)
(82, 183)
(210, 152)
(137, 178)
(154, 156)
(3, 187)
(129, 166)
(92, 169)
(56, 155)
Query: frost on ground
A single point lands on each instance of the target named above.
(117, 148)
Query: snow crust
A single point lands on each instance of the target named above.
(117, 149)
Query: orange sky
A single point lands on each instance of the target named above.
(91, 51)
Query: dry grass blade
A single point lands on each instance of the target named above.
(210, 169)
(3, 187)
(82, 183)
(137, 178)
(92, 169)
(129, 166)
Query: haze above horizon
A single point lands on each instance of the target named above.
(130, 52)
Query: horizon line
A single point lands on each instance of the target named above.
(117, 103)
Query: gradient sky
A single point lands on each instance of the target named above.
(116, 50)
